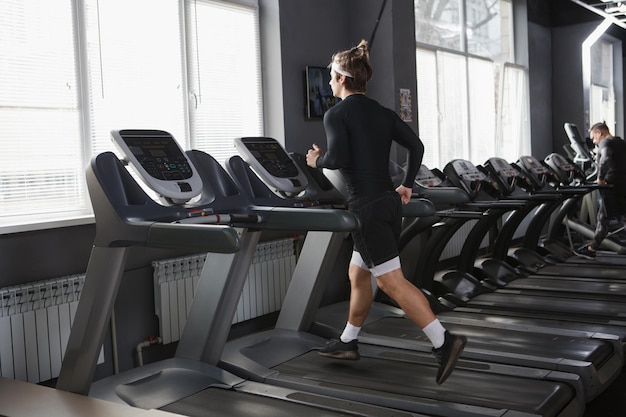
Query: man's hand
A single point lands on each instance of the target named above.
(312, 155)
(405, 193)
(601, 182)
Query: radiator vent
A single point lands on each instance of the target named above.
(455, 245)
(35, 323)
(175, 281)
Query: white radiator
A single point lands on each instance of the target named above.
(175, 281)
(455, 244)
(35, 322)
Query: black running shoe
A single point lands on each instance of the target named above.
(584, 252)
(448, 354)
(337, 349)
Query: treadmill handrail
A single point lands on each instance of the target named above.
(209, 238)
(307, 219)
(442, 195)
(418, 207)
(496, 204)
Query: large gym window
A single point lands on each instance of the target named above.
(472, 99)
(73, 70)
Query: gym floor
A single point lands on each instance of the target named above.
(612, 402)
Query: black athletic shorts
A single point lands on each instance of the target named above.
(380, 218)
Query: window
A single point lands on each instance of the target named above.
(41, 164)
(514, 114)
(602, 90)
(472, 102)
(488, 29)
(158, 64)
(135, 72)
(438, 23)
(225, 77)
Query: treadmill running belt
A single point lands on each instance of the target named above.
(602, 258)
(587, 350)
(575, 309)
(581, 287)
(216, 402)
(404, 374)
(592, 271)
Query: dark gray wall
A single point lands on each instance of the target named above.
(567, 80)
(308, 33)
(37, 255)
(540, 88)
(556, 30)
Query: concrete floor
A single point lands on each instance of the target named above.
(612, 402)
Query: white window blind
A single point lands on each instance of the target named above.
(482, 109)
(476, 110)
(452, 90)
(143, 64)
(224, 76)
(514, 114)
(41, 163)
(428, 105)
(135, 68)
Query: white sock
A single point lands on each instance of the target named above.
(435, 332)
(350, 333)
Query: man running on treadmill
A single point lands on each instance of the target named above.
(359, 134)
(611, 161)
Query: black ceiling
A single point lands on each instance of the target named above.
(613, 9)
(560, 12)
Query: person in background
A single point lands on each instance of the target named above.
(611, 161)
(359, 134)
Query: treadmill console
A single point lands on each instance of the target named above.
(577, 143)
(467, 171)
(504, 175)
(503, 168)
(533, 165)
(465, 175)
(559, 161)
(160, 162)
(563, 169)
(270, 161)
(535, 170)
(426, 178)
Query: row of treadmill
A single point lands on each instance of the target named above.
(546, 329)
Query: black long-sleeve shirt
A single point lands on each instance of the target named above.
(611, 161)
(359, 134)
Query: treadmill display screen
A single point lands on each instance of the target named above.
(561, 163)
(426, 178)
(534, 165)
(273, 158)
(161, 158)
(503, 168)
(467, 170)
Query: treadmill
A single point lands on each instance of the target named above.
(463, 289)
(566, 178)
(198, 208)
(431, 183)
(579, 285)
(596, 358)
(537, 262)
(395, 377)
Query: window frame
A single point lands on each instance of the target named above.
(499, 70)
(15, 223)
